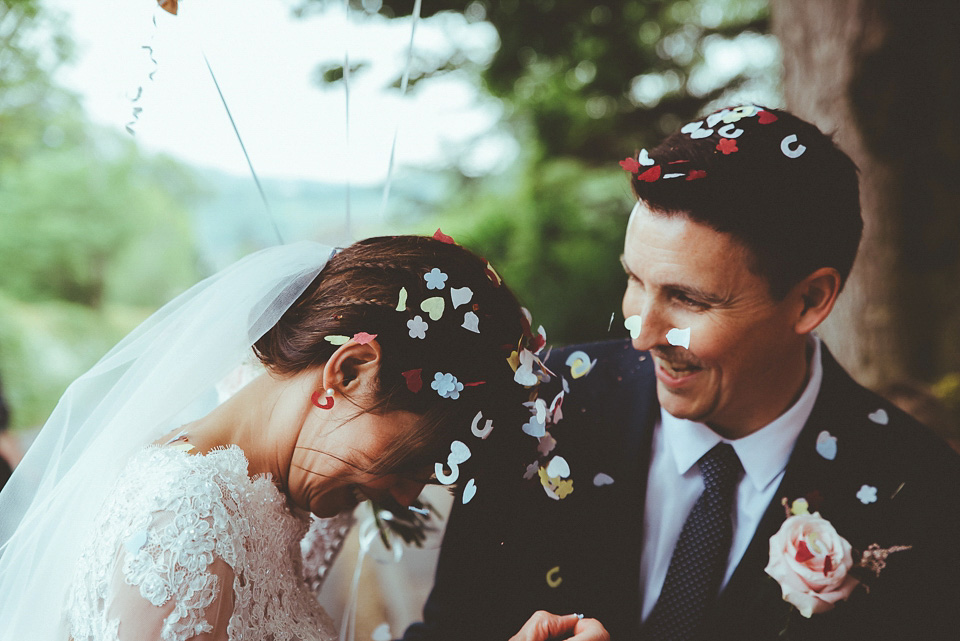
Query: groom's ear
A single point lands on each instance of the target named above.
(814, 298)
(352, 369)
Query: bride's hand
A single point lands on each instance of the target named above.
(543, 626)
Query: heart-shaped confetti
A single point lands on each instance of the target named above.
(336, 339)
(471, 322)
(558, 467)
(414, 381)
(602, 479)
(579, 364)
(433, 307)
(459, 453)
(534, 428)
(460, 296)
(469, 491)
(135, 542)
(691, 127)
(788, 148)
(402, 302)
(644, 158)
(633, 324)
(827, 445)
(381, 633)
(879, 417)
(701, 133)
(679, 337)
(475, 426)
(765, 117)
(524, 374)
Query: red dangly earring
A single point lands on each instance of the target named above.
(327, 401)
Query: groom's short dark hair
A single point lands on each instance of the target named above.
(773, 181)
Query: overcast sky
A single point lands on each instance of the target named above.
(264, 60)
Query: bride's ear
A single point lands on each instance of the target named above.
(352, 369)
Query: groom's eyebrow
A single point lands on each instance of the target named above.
(690, 291)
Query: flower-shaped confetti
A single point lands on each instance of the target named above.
(435, 279)
(867, 494)
(727, 146)
(630, 164)
(447, 385)
(417, 327)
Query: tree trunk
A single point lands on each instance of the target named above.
(882, 76)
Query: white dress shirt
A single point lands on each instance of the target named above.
(674, 483)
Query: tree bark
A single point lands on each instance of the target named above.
(882, 77)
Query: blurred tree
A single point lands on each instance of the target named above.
(885, 76)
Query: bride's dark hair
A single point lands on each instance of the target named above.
(359, 290)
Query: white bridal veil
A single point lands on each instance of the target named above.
(161, 375)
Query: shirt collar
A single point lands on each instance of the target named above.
(764, 453)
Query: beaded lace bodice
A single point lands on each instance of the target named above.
(190, 545)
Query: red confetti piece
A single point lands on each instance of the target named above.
(650, 175)
(696, 174)
(443, 238)
(827, 565)
(362, 338)
(803, 552)
(477, 383)
(414, 381)
(765, 118)
(630, 164)
(727, 146)
(678, 162)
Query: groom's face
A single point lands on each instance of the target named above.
(684, 276)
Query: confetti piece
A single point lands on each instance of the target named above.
(827, 445)
(170, 6)
(579, 364)
(867, 494)
(897, 491)
(183, 447)
(630, 164)
(419, 510)
(471, 322)
(727, 146)
(730, 131)
(459, 453)
(610, 324)
(433, 307)
(514, 360)
(788, 150)
(765, 117)
(679, 337)
(447, 385)
(362, 338)
(382, 631)
(634, 324)
(414, 381)
(715, 118)
(553, 577)
(531, 471)
(644, 158)
(879, 417)
(418, 327)
(534, 427)
(800, 506)
(602, 479)
(743, 111)
(558, 466)
(443, 238)
(691, 127)
(564, 488)
(493, 275)
(336, 339)
(435, 279)
(669, 176)
(136, 542)
(460, 296)
(443, 477)
(402, 302)
(475, 426)
(696, 174)
(547, 444)
(469, 491)
(524, 374)
(555, 411)
(650, 175)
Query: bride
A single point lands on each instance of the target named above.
(142, 513)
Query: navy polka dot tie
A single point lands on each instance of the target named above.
(699, 560)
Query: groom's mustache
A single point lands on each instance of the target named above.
(676, 356)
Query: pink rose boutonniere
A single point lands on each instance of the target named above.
(812, 563)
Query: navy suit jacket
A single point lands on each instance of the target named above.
(499, 550)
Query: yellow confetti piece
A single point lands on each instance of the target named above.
(514, 360)
(564, 488)
(402, 304)
(336, 339)
(553, 577)
(800, 506)
(183, 447)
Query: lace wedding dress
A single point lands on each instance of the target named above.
(190, 545)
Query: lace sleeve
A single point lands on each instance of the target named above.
(169, 584)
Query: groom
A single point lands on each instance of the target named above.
(725, 419)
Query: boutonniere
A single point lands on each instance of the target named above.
(814, 565)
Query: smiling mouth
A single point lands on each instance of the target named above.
(677, 370)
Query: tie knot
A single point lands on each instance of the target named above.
(720, 467)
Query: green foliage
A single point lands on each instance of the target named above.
(553, 233)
